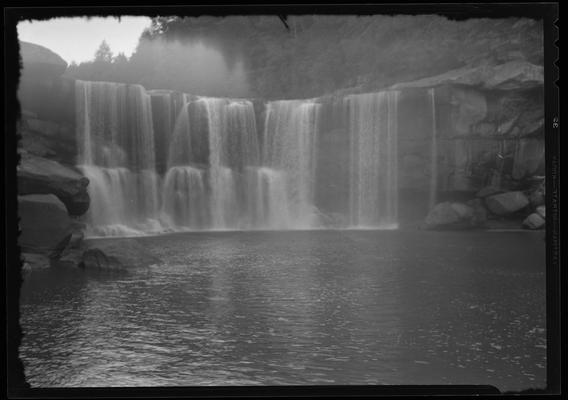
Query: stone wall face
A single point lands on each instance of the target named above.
(52, 192)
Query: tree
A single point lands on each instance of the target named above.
(103, 53)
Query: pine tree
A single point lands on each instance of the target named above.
(103, 53)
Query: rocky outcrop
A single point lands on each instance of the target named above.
(38, 175)
(34, 262)
(42, 89)
(44, 223)
(513, 75)
(506, 203)
(41, 61)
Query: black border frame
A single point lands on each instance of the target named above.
(547, 12)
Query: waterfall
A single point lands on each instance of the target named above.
(233, 145)
(116, 152)
(163, 160)
(289, 154)
(433, 152)
(373, 191)
(185, 198)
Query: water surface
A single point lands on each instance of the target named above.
(297, 308)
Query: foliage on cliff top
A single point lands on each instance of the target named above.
(320, 54)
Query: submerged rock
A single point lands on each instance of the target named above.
(116, 255)
(45, 225)
(506, 203)
(37, 175)
(534, 221)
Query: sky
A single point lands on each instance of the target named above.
(77, 39)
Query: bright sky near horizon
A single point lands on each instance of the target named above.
(77, 39)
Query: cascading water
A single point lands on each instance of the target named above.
(184, 194)
(233, 146)
(219, 172)
(116, 152)
(289, 154)
(373, 166)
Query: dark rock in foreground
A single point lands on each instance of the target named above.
(45, 225)
(115, 255)
(38, 175)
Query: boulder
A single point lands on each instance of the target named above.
(37, 175)
(506, 203)
(116, 255)
(442, 215)
(464, 211)
(45, 225)
(534, 221)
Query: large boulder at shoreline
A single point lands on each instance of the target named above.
(37, 175)
(443, 215)
(506, 203)
(115, 255)
(45, 225)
